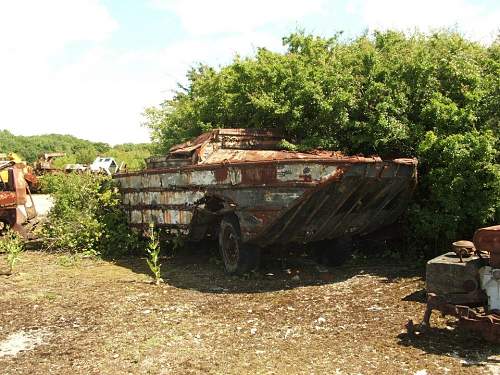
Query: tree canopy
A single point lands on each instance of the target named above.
(434, 96)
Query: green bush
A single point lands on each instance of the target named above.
(12, 245)
(375, 94)
(86, 217)
(460, 190)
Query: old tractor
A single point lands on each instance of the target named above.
(465, 283)
(16, 203)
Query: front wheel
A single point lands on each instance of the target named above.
(238, 258)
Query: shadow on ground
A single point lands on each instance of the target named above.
(452, 341)
(201, 269)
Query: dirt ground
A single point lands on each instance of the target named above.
(83, 316)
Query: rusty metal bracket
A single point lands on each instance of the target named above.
(486, 324)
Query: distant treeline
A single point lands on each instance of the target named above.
(77, 150)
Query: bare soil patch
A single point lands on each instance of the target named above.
(103, 317)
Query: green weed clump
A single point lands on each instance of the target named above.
(153, 253)
(11, 244)
(86, 217)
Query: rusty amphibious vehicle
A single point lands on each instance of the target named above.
(238, 186)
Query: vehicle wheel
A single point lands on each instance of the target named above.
(334, 253)
(238, 258)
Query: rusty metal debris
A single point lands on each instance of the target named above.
(486, 324)
(488, 239)
(463, 249)
(16, 204)
(45, 162)
(468, 290)
(238, 180)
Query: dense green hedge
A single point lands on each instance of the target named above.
(435, 96)
(86, 217)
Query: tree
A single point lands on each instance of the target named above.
(377, 94)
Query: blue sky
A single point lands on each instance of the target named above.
(90, 67)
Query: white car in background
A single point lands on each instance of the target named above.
(105, 165)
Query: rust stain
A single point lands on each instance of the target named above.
(221, 174)
(15, 196)
(7, 198)
(261, 175)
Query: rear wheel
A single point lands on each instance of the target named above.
(334, 253)
(238, 258)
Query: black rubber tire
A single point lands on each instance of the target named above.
(334, 253)
(238, 258)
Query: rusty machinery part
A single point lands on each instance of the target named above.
(16, 203)
(44, 164)
(488, 239)
(463, 249)
(487, 324)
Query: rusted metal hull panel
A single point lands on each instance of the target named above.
(264, 174)
(357, 204)
(276, 202)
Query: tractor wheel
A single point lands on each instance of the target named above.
(238, 258)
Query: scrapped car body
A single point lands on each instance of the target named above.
(466, 284)
(45, 163)
(101, 165)
(105, 165)
(237, 184)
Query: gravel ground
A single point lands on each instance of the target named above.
(82, 316)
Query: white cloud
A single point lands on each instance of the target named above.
(477, 21)
(96, 98)
(202, 17)
(101, 94)
(44, 26)
(38, 96)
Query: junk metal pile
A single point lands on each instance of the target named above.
(18, 180)
(239, 185)
(16, 203)
(465, 283)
